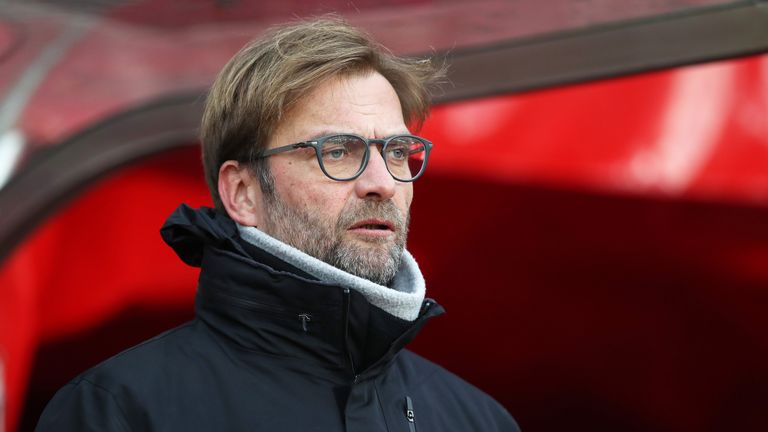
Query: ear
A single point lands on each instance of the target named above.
(241, 194)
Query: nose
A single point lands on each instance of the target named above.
(375, 182)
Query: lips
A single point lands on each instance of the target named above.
(373, 224)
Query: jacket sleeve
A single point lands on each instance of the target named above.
(83, 406)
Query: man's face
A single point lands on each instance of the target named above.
(360, 225)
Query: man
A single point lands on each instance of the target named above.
(307, 296)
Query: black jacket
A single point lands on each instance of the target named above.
(271, 349)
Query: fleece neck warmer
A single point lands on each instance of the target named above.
(402, 299)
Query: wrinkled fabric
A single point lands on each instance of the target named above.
(271, 349)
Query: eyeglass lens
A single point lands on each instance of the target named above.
(343, 156)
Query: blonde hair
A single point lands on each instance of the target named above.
(269, 75)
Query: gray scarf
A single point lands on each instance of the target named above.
(402, 299)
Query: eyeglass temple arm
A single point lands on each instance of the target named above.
(287, 148)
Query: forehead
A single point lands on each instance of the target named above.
(364, 104)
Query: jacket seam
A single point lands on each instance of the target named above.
(147, 342)
(381, 407)
(420, 382)
(219, 342)
(124, 420)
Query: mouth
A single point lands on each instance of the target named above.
(373, 227)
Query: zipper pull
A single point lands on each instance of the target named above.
(409, 414)
(305, 318)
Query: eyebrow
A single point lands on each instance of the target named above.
(328, 132)
(325, 132)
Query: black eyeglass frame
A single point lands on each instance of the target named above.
(317, 144)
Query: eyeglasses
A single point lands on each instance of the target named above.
(344, 157)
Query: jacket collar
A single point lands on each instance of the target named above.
(269, 306)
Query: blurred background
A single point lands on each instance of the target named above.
(594, 217)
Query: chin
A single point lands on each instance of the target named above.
(372, 253)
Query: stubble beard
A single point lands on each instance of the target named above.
(375, 258)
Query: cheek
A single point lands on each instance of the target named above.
(316, 196)
(406, 197)
(294, 182)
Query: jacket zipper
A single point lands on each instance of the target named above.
(305, 318)
(272, 310)
(347, 301)
(409, 415)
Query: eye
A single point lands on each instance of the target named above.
(337, 153)
(334, 152)
(397, 152)
(338, 148)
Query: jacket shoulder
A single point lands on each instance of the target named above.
(450, 399)
(112, 395)
(83, 406)
(142, 364)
